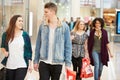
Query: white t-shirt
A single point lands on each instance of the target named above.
(51, 43)
(51, 48)
(16, 53)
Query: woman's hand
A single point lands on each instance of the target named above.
(87, 56)
(6, 54)
(111, 55)
(30, 66)
(72, 37)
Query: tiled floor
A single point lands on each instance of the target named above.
(107, 74)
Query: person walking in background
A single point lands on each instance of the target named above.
(98, 47)
(79, 47)
(53, 45)
(89, 27)
(16, 46)
(65, 20)
(71, 24)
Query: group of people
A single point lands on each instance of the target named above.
(94, 46)
(55, 45)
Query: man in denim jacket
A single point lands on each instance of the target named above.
(53, 45)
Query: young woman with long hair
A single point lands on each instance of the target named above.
(16, 46)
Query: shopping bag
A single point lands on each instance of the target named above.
(71, 75)
(111, 71)
(30, 76)
(86, 70)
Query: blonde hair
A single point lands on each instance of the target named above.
(76, 27)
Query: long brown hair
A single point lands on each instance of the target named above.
(11, 28)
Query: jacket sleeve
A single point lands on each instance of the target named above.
(67, 46)
(4, 45)
(38, 44)
(29, 47)
(3, 40)
(106, 36)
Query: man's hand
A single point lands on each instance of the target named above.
(36, 67)
(69, 68)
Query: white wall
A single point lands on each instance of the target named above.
(75, 8)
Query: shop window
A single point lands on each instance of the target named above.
(109, 16)
(17, 1)
(63, 8)
(87, 3)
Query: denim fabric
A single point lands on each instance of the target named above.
(98, 66)
(62, 44)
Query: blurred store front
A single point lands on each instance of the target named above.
(10, 7)
(32, 12)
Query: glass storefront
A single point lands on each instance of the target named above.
(88, 10)
(8, 8)
(63, 8)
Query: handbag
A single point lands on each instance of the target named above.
(86, 70)
(2, 73)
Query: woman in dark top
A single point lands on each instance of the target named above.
(79, 47)
(98, 47)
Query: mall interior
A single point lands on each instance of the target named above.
(33, 11)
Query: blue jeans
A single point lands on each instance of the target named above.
(98, 66)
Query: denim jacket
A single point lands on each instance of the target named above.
(62, 45)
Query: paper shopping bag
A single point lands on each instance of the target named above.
(71, 75)
(30, 76)
(111, 71)
(86, 70)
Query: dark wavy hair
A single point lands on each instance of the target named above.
(100, 20)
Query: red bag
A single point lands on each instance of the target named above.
(86, 70)
(71, 75)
